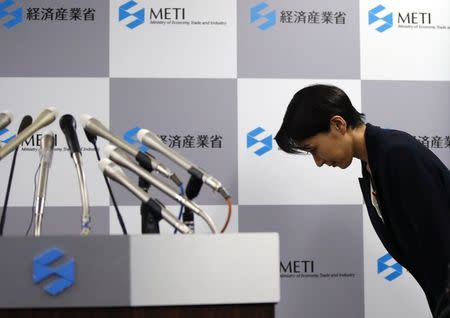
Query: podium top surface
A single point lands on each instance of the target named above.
(141, 270)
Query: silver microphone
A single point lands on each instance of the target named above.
(5, 119)
(95, 127)
(114, 172)
(46, 154)
(45, 118)
(152, 140)
(120, 157)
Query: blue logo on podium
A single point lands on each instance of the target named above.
(65, 272)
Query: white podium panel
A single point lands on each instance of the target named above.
(205, 269)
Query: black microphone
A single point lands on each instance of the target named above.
(26, 121)
(68, 126)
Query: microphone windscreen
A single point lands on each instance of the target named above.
(53, 110)
(68, 126)
(67, 121)
(8, 114)
(141, 133)
(84, 119)
(108, 150)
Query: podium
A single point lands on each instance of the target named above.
(180, 276)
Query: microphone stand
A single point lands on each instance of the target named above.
(192, 190)
(86, 216)
(149, 222)
(188, 218)
(47, 145)
(40, 201)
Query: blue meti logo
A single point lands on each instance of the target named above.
(374, 16)
(124, 12)
(269, 18)
(130, 137)
(42, 270)
(397, 269)
(6, 135)
(14, 14)
(252, 139)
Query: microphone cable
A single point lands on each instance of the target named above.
(193, 189)
(119, 216)
(93, 140)
(180, 215)
(8, 189)
(34, 198)
(26, 121)
(229, 204)
(145, 185)
(149, 218)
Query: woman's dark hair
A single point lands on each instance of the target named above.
(309, 113)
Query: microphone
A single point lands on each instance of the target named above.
(151, 140)
(26, 121)
(45, 118)
(94, 127)
(68, 126)
(46, 154)
(118, 156)
(115, 173)
(5, 119)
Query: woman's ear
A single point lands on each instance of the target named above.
(338, 123)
